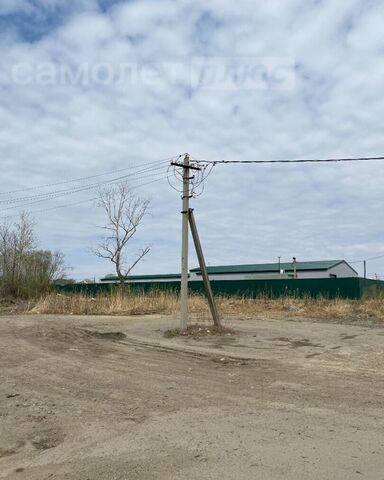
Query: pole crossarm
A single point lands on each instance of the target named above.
(189, 167)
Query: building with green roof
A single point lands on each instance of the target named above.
(257, 271)
(294, 269)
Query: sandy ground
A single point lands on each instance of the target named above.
(110, 398)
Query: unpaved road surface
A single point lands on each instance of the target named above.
(109, 398)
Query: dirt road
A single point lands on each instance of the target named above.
(109, 398)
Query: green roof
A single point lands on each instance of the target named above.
(143, 277)
(272, 267)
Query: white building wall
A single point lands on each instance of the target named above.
(313, 274)
(260, 276)
(343, 270)
(239, 276)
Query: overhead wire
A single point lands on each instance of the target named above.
(73, 190)
(73, 204)
(375, 258)
(303, 160)
(82, 201)
(378, 257)
(196, 180)
(213, 163)
(112, 172)
(83, 187)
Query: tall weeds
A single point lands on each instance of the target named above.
(167, 303)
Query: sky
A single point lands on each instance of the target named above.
(97, 86)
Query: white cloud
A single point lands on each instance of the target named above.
(87, 31)
(67, 129)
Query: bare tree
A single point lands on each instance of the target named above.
(125, 212)
(17, 241)
(24, 270)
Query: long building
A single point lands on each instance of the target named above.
(261, 271)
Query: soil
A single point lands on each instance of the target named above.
(111, 398)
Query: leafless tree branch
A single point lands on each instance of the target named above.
(125, 212)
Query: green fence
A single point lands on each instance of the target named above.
(353, 288)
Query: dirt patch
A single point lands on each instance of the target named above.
(47, 440)
(105, 335)
(13, 450)
(297, 343)
(304, 342)
(348, 337)
(199, 331)
(311, 355)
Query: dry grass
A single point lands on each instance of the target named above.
(167, 303)
(118, 303)
(10, 306)
(314, 308)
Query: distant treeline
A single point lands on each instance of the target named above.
(25, 270)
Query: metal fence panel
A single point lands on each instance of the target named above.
(352, 288)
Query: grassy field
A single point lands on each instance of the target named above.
(167, 303)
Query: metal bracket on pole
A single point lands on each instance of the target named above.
(203, 269)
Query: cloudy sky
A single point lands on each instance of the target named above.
(97, 86)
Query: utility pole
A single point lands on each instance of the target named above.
(184, 247)
(203, 269)
(294, 268)
(365, 269)
(279, 264)
(184, 238)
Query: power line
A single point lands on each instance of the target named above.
(203, 164)
(112, 172)
(81, 201)
(72, 190)
(51, 208)
(366, 259)
(82, 187)
(375, 258)
(304, 160)
(196, 181)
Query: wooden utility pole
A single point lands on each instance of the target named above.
(184, 247)
(184, 240)
(203, 269)
(365, 269)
